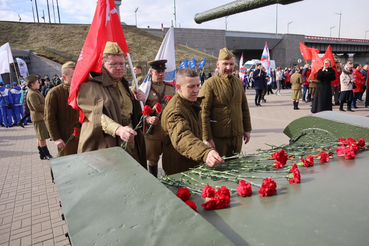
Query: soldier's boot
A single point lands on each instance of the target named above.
(294, 104)
(349, 107)
(46, 152)
(42, 155)
(297, 105)
(341, 106)
(153, 168)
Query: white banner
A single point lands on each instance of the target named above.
(22, 66)
(6, 58)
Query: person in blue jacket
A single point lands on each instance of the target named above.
(6, 104)
(17, 94)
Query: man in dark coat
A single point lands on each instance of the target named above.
(110, 108)
(259, 83)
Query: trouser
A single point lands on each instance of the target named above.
(336, 93)
(17, 113)
(305, 88)
(258, 96)
(228, 146)
(355, 96)
(25, 118)
(6, 115)
(270, 89)
(264, 91)
(361, 93)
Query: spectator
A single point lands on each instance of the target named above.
(347, 80)
(359, 82)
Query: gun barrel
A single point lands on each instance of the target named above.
(236, 7)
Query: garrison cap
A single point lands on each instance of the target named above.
(31, 78)
(14, 83)
(158, 64)
(68, 64)
(112, 48)
(225, 54)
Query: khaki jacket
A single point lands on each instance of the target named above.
(296, 81)
(36, 105)
(182, 144)
(225, 112)
(61, 118)
(312, 83)
(99, 96)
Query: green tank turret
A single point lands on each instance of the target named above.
(236, 7)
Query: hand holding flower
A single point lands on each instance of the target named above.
(153, 120)
(126, 133)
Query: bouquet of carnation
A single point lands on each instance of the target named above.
(158, 108)
(145, 112)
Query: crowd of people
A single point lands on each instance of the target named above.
(195, 125)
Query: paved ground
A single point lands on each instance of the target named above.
(29, 203)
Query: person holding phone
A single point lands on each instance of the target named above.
(323, 94)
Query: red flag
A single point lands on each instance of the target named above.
(305, 52)
(105, 27)
(329, 54)
(316, 62)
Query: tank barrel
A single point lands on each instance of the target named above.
(236, 7)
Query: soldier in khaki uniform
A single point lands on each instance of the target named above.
(139, 77)
(110, 108)
(183, 147)
(225, 113)
(296, 85)
(61, 118)
(313, 84)
(159, 89)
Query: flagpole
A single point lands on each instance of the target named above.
(10, 72)
(16, 73)
(134, 76)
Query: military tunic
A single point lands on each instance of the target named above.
(183, 147)
(154, 139)
(140, 79)
(100, 100)
(225, 113)
(61, 118)
(36, 105)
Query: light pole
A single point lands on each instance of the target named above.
(339, 28)
(330, 31)
(288, 26)
(365, 33)
(226, 23)
(175, 15)
(276, 19)
(38, 20)
(33, 12)
(136, 15)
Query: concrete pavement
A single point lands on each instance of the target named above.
(29, 203)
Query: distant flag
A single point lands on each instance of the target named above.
(305, 52)
(22, 66)
(241, 61)
(242, 73)
(202, 64)
(192, 63)
(183, 64)
(329, 54)
(105, 27)
(166, 52)
(265, 58)
(6, 58)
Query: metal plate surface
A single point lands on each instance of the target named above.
(109, 199)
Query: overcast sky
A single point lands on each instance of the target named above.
(309, 17)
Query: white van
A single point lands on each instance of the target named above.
(252, 64)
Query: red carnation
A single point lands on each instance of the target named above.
(223, 191)
(341, 151)
(210, 204)
(350, 153)
(342, 141)
(352, 143)
(361, 142)
(192, 205)
(295, 173)
(208, 191)
(157, 108)
(281, 158)
(268, 188)
(309, 161)
(222, 202)
(184, 194)
(75, 132)
(244, 188)
(324, 157)
(147, 110)
(168, 97)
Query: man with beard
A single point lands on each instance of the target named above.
(225, 113)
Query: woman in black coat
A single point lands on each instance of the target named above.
(323, 95)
